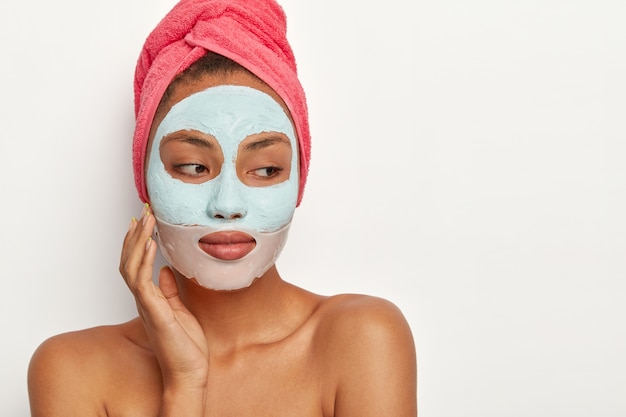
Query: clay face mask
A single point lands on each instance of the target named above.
(189, 216)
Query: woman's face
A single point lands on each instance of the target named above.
(222, 178)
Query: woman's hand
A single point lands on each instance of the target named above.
(176, 336)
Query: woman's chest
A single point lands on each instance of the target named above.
(280, 380)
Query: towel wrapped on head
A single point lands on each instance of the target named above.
(250, 32)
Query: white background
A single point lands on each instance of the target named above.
(468, 165)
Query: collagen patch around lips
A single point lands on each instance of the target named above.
(185, 212)
(179, 245)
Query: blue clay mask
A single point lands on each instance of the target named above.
(230, 114)
(186, 212)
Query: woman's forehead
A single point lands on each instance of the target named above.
(189, 87)
(229, 113)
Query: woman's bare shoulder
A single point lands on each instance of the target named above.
(90, 346)
(369, 350)
(78, 365)
(348, 320)
(360, 313)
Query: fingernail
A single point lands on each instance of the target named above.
(144, 219)
(145, 210)
(132, 223)
(149, 243)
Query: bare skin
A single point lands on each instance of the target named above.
(271, 349)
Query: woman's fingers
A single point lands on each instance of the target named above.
(138, 252)
(136, 266)
(191, 332)
(133, 228)
(145, 268)
(167, 283)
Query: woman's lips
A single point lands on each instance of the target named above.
(227, 246)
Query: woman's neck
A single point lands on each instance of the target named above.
(263, 313)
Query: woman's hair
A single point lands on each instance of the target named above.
(209, 64)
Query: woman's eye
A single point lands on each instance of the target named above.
(267, 171)
(193, 170)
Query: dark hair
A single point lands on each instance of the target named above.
(211, 63)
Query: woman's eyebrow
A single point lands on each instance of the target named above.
(187, 138)
(265, 142)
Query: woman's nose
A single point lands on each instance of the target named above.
(226, 203)
(225, 214)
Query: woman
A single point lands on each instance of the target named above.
(221, 153)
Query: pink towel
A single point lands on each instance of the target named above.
(250, 32)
